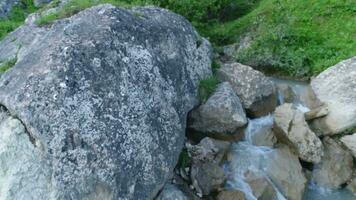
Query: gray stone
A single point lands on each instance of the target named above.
(256, 91)
(336, 88)
(231, 195)
(222, 115)
(350, 142)
(171, 192)
(336, 166)
(105, 94)
(207, 177)
(291, 128)
(262, 189)
(286, 93)
(285, 171)
(315, 113)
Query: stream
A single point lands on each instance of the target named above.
(246, 156)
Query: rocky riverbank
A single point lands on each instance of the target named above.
(104, 105)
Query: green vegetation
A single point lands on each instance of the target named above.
(296, 38)
(16, 17)
(184, 159)
(207, 88)
(7, 65)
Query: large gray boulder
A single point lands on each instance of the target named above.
(222, 115)
(336, 166)
(256, 91)
(336, 88)
(104, 97)
(291, 128)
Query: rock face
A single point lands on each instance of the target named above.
(171, 192)
(336, 166)
(285, 171)
(6, 6)
(286, 93)
(290, 128)
(257, 92)
(350, 142)
(221, 115)
(335, 86)
(104, 96)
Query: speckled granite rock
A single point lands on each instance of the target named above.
(6, 6)
(256, 91)
(104, 96)
(336, 88)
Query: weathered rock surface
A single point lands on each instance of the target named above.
(171, 192)
(336, 167)
(222, 115)
(6, 6)
(285, 171)
(23, 174)
(350, 142)
(206, 173)
(336, 87)
(291, 128)
(286, 93)
(256, 91)
(105, 95)
(315, 113)
(262, 189)
(231, 195)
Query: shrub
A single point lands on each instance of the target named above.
(207, 88)
(7, 65)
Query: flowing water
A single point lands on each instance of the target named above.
(245, 156)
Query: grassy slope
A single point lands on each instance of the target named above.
(294, 37)
(16, 17)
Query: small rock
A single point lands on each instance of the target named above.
(207, 177)
(285, 171)
(318, 112)
(350, 142)
(256, 91)
(262, 189)
(171, 192)
(336, 166)
(222, 115)
(291, 128)
(286, 93)
(231, 195)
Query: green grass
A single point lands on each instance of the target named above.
(16, 17)
(296, 38)
(207, 87)
(7, 65)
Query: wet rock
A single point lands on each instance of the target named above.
(221, 116)
(336, 167)
(291, 128)
(106, 95)
(208, 150)
(171, 192)
(352, 186)
(207, 177)
(318, 112)
(335, 87)
(262, 189)
(256, 91)
(231, 195)
(350, 142)
(309, 98)
(285, 171)
(259, 132)
(206, 173)
(286, 93)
